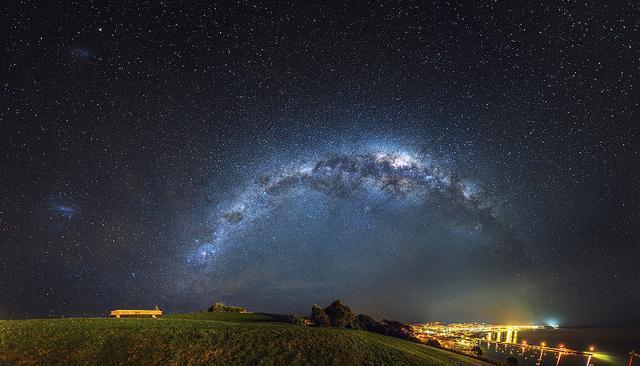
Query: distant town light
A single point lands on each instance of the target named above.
(553, 323)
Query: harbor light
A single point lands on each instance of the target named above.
(592, 348)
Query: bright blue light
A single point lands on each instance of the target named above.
(553, 322)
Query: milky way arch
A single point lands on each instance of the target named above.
(381, 174)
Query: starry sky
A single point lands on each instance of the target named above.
(417, 160)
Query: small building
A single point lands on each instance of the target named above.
(136, 313)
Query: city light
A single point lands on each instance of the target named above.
(465, 337)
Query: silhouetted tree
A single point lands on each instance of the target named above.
(219, 307)
(399, 330)
(433, 343)
(315, 310)
(319, 317)
(477, 351)
(366, 322)
(340, 315)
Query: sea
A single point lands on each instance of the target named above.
(611, 346)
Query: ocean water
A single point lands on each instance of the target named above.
(612, 346)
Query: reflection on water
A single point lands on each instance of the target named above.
(534, 347)
(509, 336)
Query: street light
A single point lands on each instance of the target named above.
(591, 348)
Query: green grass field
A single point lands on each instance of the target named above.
(204, 339)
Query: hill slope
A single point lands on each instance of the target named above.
(204, 338)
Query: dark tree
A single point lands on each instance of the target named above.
(477, 351)
(390, 328)
(340, 315)
(399, 330)
(315, 310)
(219, 307)
(319, 317)
(433, 343)
(366, 322)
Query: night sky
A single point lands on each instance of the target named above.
(417, 161)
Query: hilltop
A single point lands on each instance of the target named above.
(205, 339)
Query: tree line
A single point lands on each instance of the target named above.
(339, 315)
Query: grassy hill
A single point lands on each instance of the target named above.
(205, 339)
